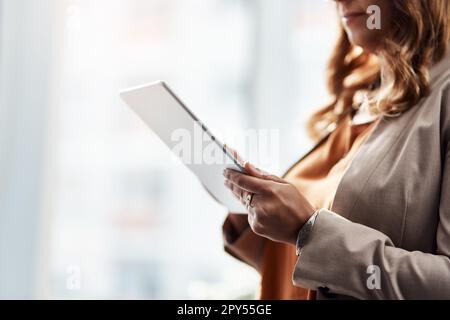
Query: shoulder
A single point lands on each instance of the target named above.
(440, 71)
(442, 101)
(437, 103)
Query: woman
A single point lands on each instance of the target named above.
(366, 213)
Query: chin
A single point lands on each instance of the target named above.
(367, 41)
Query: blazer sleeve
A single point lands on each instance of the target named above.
(354, 260)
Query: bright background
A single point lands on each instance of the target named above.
(87, 192)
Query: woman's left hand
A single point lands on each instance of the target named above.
(277, 210)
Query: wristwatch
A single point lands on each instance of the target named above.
(304, 233)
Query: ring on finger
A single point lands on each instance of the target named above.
(248, 200)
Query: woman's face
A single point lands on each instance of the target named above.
(366, 21)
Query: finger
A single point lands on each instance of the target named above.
(237, 192)
(250, 217)
(256, 172)
(235, 155)
(249, 183)
(241, 195)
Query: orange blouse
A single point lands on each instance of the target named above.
(317, 176)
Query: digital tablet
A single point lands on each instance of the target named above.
(180, 130)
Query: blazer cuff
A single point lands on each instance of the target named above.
(313, 258)
(333, 254)
(316, 267)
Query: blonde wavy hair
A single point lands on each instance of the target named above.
(398, 77)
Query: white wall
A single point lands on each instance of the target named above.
(26, 36)
(48, 127)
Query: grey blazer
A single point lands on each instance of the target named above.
(387, 235)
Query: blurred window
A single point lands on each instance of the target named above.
(132, 220)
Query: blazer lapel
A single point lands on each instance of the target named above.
(380, 142)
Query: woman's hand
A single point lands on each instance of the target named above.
(277, 210)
